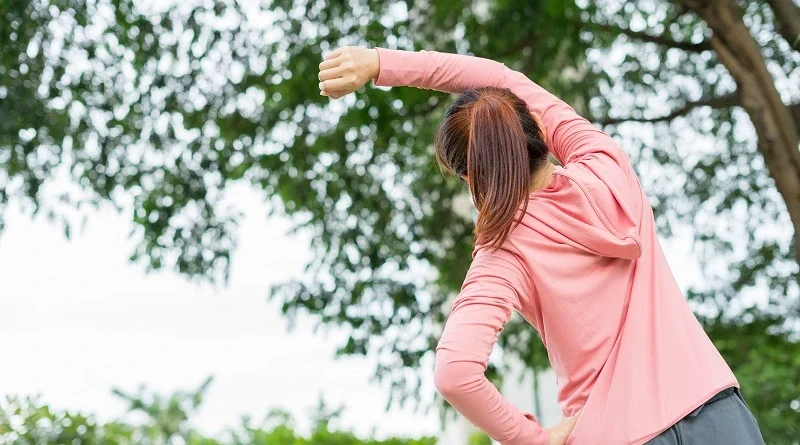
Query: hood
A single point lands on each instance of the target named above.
(579, 209)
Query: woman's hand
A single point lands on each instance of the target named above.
(347, 69)
(558, 434)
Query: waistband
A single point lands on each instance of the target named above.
(722, 394)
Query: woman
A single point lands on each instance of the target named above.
(574, 250)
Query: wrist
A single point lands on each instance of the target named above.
(375, 64)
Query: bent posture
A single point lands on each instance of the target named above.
(574, 250)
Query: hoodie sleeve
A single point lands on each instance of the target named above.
(488, 297)
(569, 136)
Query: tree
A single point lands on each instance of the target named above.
(162, 111)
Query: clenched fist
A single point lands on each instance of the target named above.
(347, 69)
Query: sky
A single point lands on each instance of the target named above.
(78, 319)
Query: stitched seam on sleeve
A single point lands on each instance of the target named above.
(521, 274)
(425, 66)
(524, 300)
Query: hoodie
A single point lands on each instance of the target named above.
(585, 269)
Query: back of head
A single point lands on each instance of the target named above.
(489, 136)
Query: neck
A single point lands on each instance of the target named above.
(541, 178)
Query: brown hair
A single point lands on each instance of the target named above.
(489, 135)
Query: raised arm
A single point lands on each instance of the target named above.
(569, 136)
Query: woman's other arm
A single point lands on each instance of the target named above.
(484, 305)
(492, 291)
(570, 137)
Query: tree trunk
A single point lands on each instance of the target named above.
(787, 16)
(773, 120)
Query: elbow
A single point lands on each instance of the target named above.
(444, 382)
(452, 379)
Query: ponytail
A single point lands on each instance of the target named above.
(498, 166)
(489, 135)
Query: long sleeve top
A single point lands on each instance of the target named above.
(585, 269)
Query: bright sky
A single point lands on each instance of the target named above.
(78, 319)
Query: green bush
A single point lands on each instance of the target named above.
(27, 421)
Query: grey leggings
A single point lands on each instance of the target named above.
(723, 420)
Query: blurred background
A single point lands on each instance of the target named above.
(198, 248)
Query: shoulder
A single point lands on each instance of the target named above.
(504, 267)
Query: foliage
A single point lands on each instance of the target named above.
(160, 108)
(479, 438)
(766, 366)
(26, 421)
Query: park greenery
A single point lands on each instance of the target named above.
(167, 421)
(158, 108)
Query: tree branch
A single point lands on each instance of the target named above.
(787, 15)
(661, 40)
(795, 109)
(657, 39)
(521, 43)
(726, 101)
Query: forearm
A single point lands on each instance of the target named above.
(433, 70)
(467, 390)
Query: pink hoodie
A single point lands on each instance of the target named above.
(585, 268)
